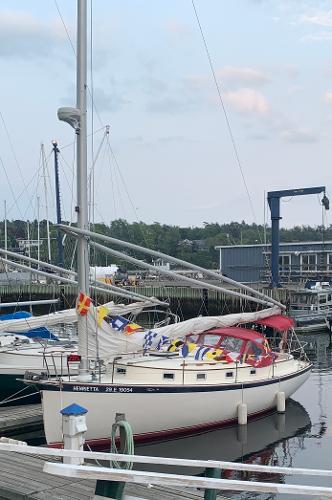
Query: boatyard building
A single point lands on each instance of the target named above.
(298, 262)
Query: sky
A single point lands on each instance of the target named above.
(169, 156)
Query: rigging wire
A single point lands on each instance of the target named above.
(12, 149)
(11, 189)
(230, 131)
(228, 124)
(65, 27)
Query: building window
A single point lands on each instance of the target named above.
(308, 262)
(329, 262)
(285, 263)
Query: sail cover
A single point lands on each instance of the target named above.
(65, 317)
(106, 342)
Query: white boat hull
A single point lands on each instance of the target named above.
(154, 411)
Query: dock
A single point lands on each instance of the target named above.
(165, 290)
(23, 418)
(22, 478)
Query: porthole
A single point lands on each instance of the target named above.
(121, 371)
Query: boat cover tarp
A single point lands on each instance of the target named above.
(65, 317)
(106, 342)
(39, 333)
(15, 315)
(278, 322)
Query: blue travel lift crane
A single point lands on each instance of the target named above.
(273, 198)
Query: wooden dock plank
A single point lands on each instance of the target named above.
(22, 478)
(16, 417)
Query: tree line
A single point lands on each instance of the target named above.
(194, 244)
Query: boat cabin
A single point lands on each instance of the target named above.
(241, 344)
(311, 301)
(232, 339)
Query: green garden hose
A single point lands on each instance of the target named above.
(128, 448)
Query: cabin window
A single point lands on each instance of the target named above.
(229, 374)
(322, 299)
(252, 349)
(193, 338)
(121, 371)
(329, 297)
(201, 376)
(210, 339)
(168, 376)
(308, 262)
(253, 371)
(232, 344)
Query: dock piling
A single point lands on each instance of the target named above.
(215, 474)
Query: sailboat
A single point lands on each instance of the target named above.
(162, 390)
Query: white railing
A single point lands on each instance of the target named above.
(183, 481)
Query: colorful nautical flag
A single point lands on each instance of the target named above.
(102, 312)
(83, 304)
(187, 348)
(132, 328)
(201, 352)
(119, 323)
(149, 339)
(231, 357)
(175, 345)
(163, 340)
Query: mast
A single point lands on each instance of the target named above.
(49, 256)
(6, 235)
(82, 185)
(77, 118)
(58, 202)
(38, 229)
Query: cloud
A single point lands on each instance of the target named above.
(259, 136)
(328, 97)
(112, 102)
(247, 101)
(322, 18)
(171, 105)
(324, 36)
(24, 36)
(294, 89)
(242, 76)
(298, 135)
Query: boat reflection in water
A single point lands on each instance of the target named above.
(255, 442)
